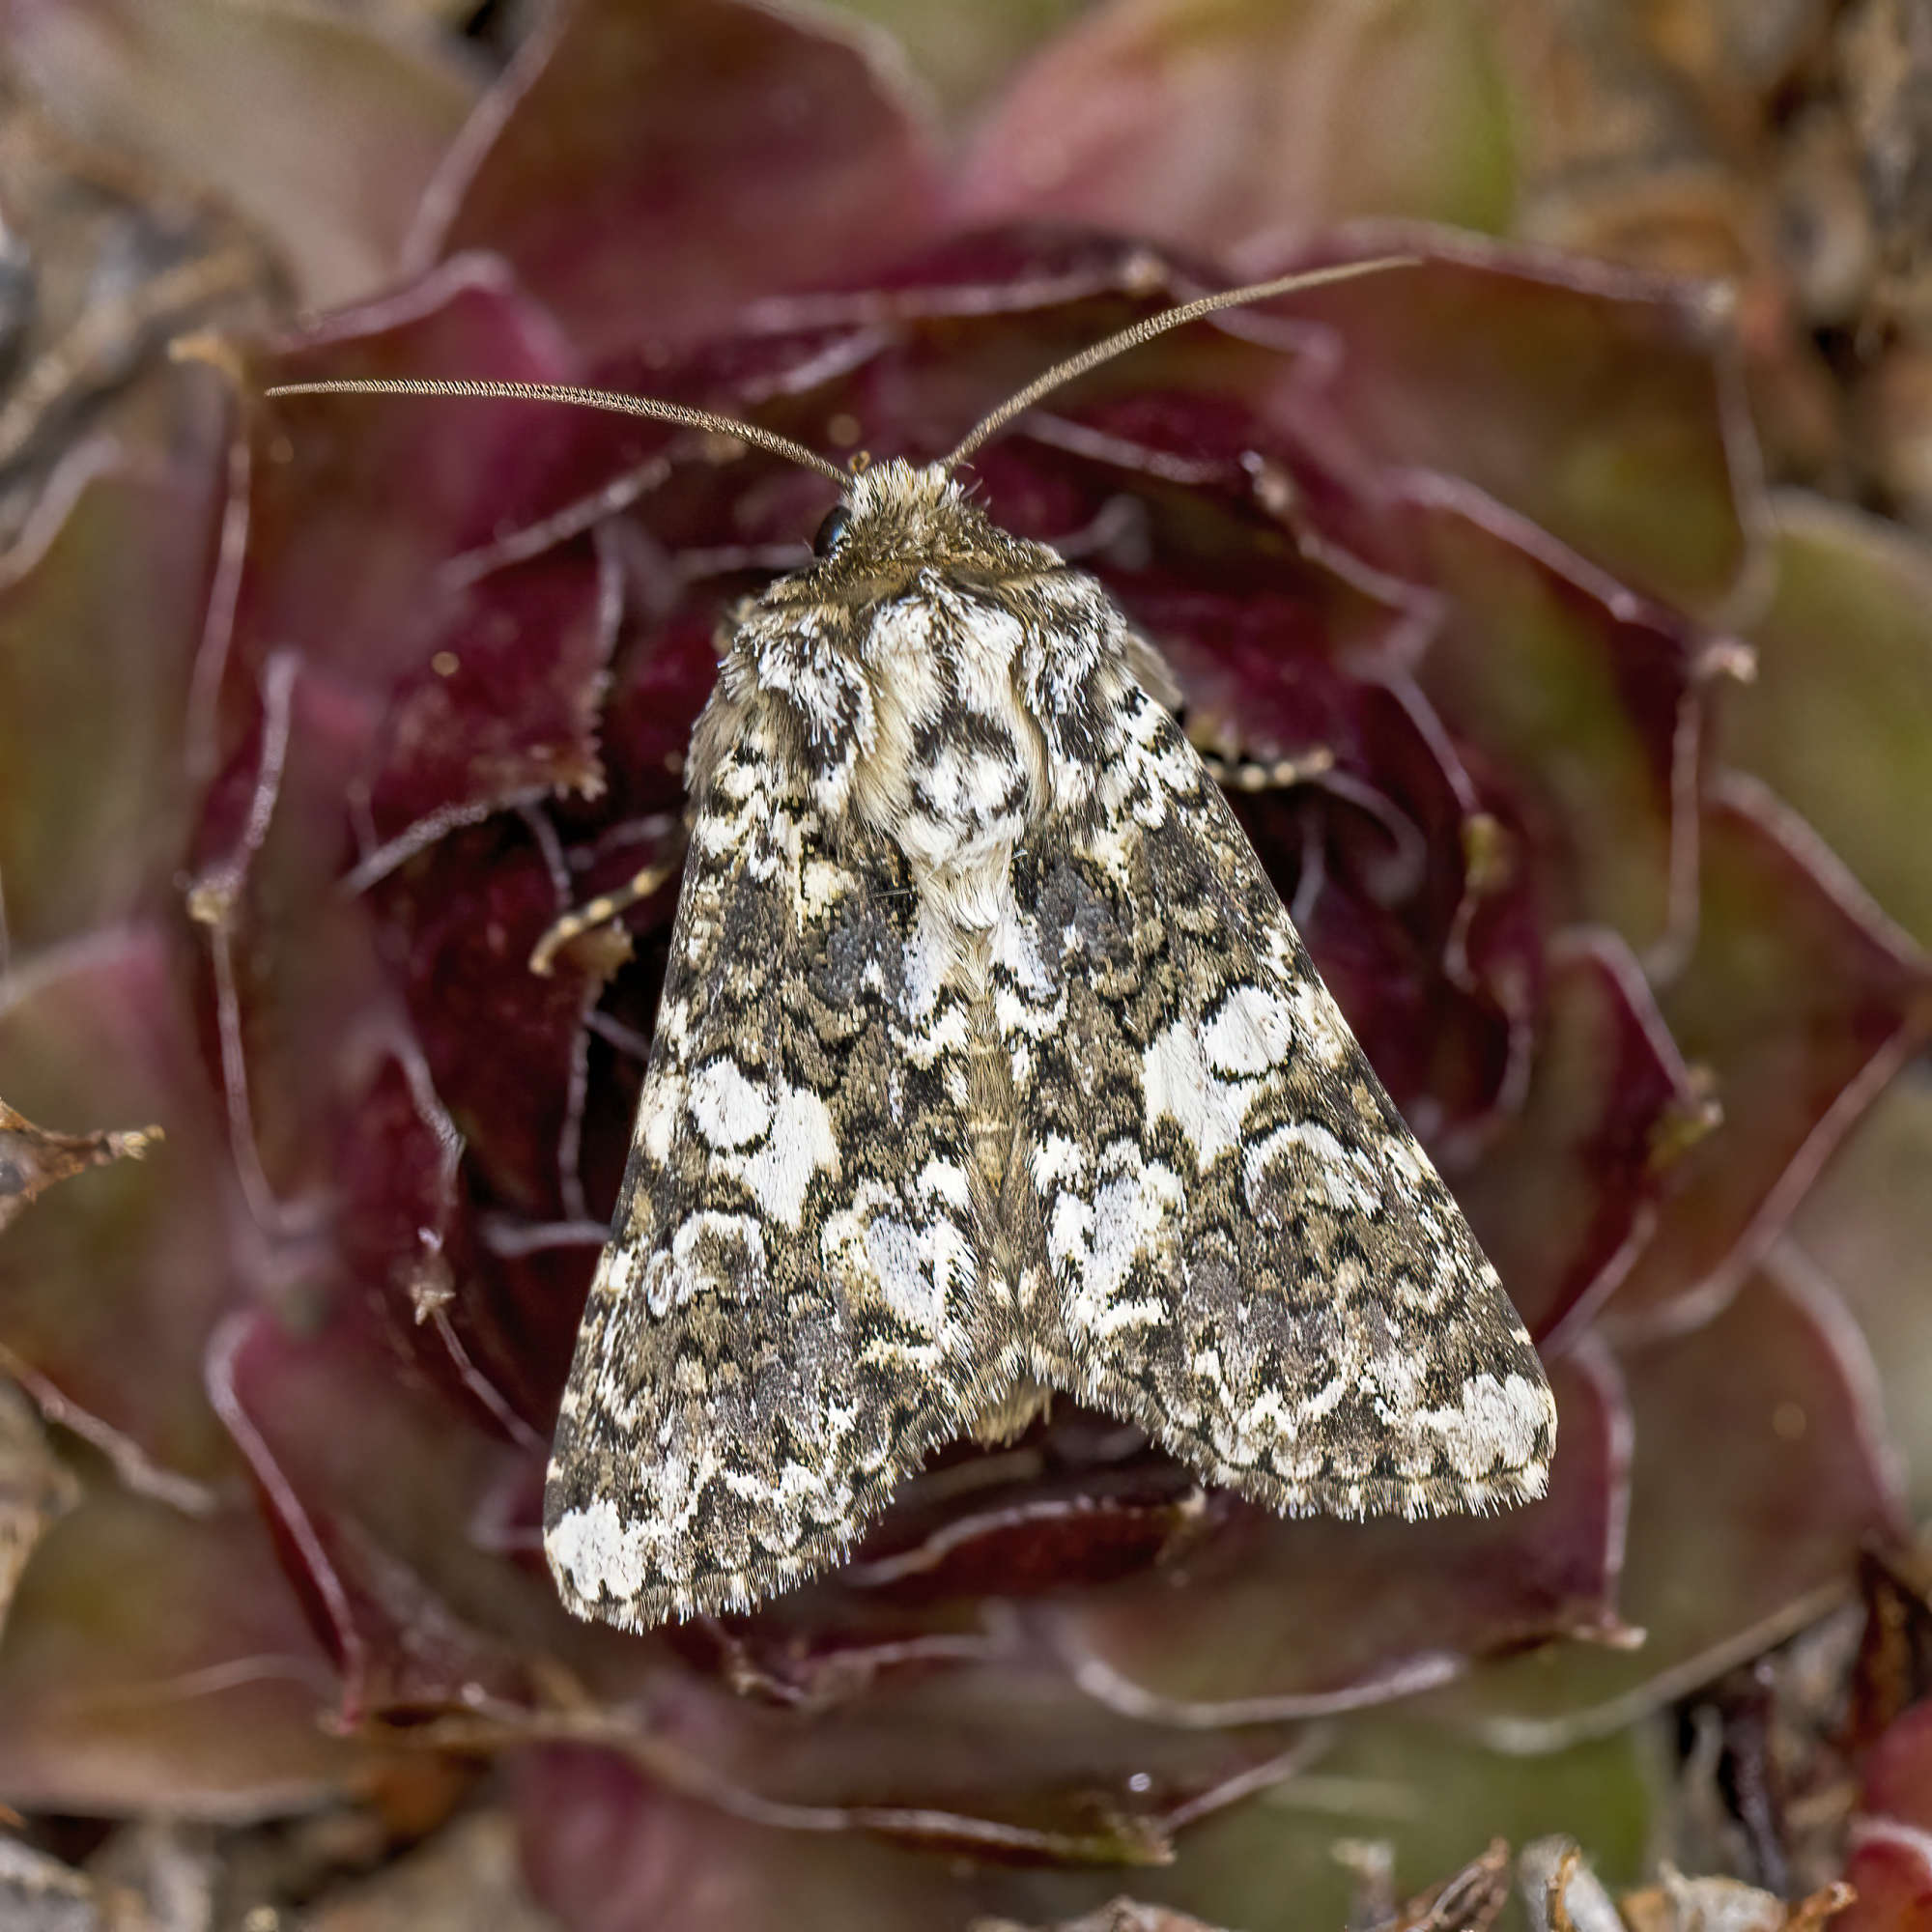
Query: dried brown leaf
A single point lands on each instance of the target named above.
(1560, 1892)
(38, 1893)
(1893, 1668)
(1468, 1900)
(1681, 1904)
(36, 1490)
(1820, 1907)
(1118, 1914)
(32, 1159)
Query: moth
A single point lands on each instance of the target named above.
(988, 1064)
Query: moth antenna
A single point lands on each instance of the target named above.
(1159, 325)
(588, 399)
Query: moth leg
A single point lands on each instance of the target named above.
(1266, 774)
(600, 911)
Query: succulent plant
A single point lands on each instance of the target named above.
(315, 714)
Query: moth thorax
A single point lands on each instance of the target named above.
(953, 771)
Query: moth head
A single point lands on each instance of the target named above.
(896, 520)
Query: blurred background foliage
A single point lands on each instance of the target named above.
(1591, 559)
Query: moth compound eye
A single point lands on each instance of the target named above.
(832, 531)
